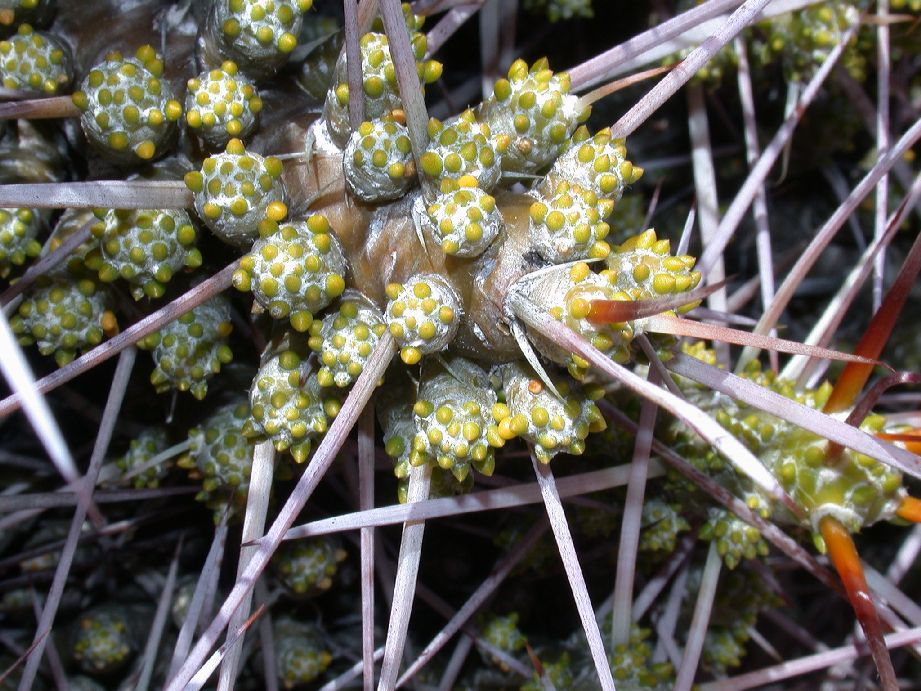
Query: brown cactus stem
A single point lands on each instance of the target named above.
(910, 510)
(383, 246)
(844, 556)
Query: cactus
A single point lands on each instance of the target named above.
(222, 104)
(35, 61)
(18, 231)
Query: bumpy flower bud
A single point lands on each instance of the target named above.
(300, 656)
(18, 230)
(103, 642)
(504, 634)
(129, 112)
(222, 104)
(662, 523)
(146, 247)
(379, 81)
(307, 567)
(378, 161)
(423, 315)
(346, 338)
(463, 217)
(235, 191)
(598, 164)
(642, 267)
(535, 110)
(289, 406)
(258, 34)
(35, 61)
(294, 269)
(222, 456)
(735, 539)
(453, 416)
(569, 224)
(190, 350)
(463, 146)
(64, 317)
(632, 665)
(149, 443)
(560, 673)
(533, 412)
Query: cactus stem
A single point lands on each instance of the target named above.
(844, 556)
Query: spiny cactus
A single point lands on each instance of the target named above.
(503, 632)
(463, 146)
(129, 111)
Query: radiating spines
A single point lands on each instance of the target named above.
(596, 163)
(148, 444)
(307, 567)
(258, 34)
(288, 405)
(346, 338)
(103, 642)
(190, 350)
(379, 82)
(534, 109)
(222, 104)
(300, 653)
(551, 424)
(19, 229)
(294, 269)
(423, 315)
(63, 317)
(453, 417)
(642, 267)
(568, 224)
(146, 247)
(129, 111)
(35, 61)
(566, 292)
(464, 146)
(235, 191)
(463, 218)
(222, 457)
(378, 162)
